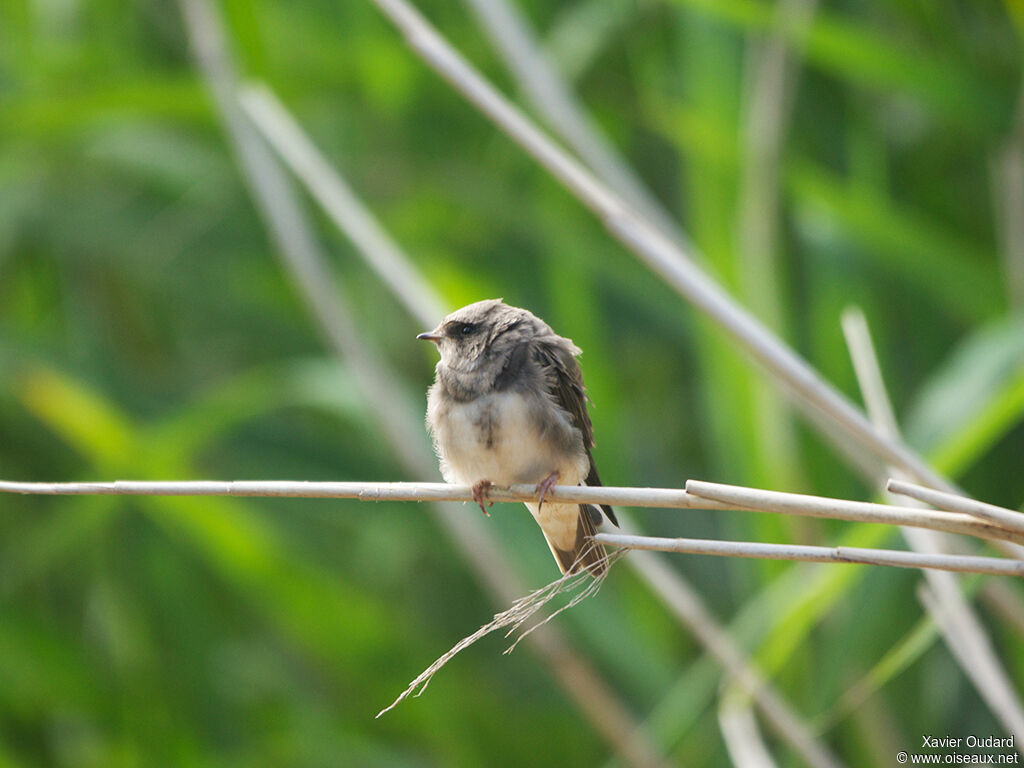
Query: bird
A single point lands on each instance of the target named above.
(508, 406)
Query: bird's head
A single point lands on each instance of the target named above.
(482, 335)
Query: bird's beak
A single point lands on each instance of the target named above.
(433, 336)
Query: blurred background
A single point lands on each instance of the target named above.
(818, 155)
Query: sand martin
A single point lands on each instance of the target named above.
(508, 406)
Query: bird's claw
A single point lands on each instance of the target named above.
(480, 491)
(544, 486)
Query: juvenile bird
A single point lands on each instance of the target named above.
(508, 406)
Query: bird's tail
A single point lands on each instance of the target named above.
(586, 553)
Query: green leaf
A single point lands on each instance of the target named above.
(974, 396)
(870, 58)
(936, 261)
(83, 418)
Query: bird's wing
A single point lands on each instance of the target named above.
(565, 384)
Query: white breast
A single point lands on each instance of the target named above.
(496, 437)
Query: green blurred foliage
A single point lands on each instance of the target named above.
(147, 331)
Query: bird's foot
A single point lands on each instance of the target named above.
(544, 486)
(480, 491)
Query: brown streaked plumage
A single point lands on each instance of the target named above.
(508, 406)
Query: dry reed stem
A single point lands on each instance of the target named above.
(697, 495)
(813, 554)
(960, 627)
(952, 502)
(664, 256)
(666, 584)
(512, 619)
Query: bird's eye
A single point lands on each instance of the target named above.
(466, 329)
